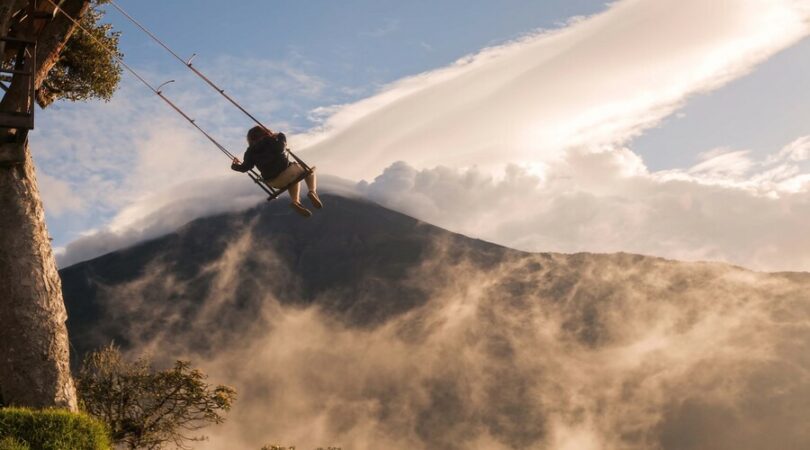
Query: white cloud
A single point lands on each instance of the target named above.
(514, 144)
(722, 162)
(599, 81)
(58, 197)
(160, 213)
(587, 202)
(754, 214)
(798, 150)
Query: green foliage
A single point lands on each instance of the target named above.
(85, 68)
(10, 443)
(149, 408)
(50, 429)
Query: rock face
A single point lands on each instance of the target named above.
(390, 333)
(34, 369)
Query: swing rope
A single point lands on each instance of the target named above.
(189, 65)
(255, 176)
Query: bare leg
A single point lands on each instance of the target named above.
(312, 183)
(313, 196)
(294, 191)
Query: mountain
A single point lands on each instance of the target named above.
(365, 328)
(346, 258)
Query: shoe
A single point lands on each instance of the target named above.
(315, 200)
(299, 208)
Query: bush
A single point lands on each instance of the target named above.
(50, 429)
(149, 408)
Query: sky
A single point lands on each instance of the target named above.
(672, 128)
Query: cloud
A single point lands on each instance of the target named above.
(165, 211)
(157, 215)
(598, 81)
(58, 197)
(798, 150)
(523, 144)
(727, 207)
(722, 162)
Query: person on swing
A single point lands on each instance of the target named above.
(266, 151)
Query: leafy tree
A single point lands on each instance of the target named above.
(87, 67)
(149, 408)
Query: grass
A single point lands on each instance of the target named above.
(10, 443)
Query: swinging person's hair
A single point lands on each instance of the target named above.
(256, 133)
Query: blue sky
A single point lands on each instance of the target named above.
(354, 47)
(353, 44)
(760, 112)
(604, 127)
(351, 48)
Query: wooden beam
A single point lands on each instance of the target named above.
(11, 154)
(16, 120)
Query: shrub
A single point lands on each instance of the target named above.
(146, 407)
(51, 429)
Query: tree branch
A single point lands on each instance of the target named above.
(50, 42)
(52, 39)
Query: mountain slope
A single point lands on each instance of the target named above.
(370, 329)
(348, 257)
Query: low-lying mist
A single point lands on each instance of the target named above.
(537, 351)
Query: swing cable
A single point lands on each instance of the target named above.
(256, 177)
(188, 64)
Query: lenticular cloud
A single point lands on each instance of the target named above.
(597, 81)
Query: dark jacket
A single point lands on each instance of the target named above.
(267, 155)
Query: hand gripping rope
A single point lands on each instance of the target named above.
(253, 174)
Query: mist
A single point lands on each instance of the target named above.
(578, 351)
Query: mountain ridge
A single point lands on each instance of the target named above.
(474, 345)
